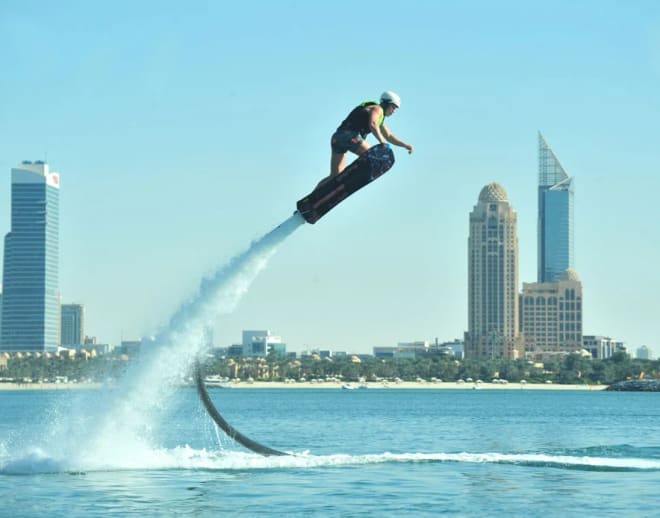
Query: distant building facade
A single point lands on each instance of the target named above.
(555, 218)
(402, 350)
(643, 353)
(457, 348)
(493, 326)
(419, 349)
(552, 317)
(96, 348)
(73, 325)
(260, 343)
(602, 347)
(31, 298)
(277, 348)
(235, 350)
(132, 347)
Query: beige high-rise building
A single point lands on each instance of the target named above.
(552, 316)
(493, 326)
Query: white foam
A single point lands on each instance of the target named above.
(188, 458)
(146, 389)
(114, 428)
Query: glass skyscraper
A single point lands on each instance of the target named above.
(555, 222)
(31, 299)
(73, 325)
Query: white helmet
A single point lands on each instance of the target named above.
(390, 97)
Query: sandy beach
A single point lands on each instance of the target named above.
(415, 385)
(450, 385)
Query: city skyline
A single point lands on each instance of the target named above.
(552, 309)
(182, 134)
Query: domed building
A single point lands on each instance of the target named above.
(493, 330)
(493, 192)
(569, 275)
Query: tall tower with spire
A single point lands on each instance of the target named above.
(555, 220)
(493, 314)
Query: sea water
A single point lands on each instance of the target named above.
(145, 448)
(375, 452)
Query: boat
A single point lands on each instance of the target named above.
(215, 381)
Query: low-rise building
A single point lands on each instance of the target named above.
(260, 343)
(602, 347)
(402, 350)
(235, 350)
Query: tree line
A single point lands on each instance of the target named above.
(571, 369)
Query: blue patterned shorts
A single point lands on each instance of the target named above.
(346, 140)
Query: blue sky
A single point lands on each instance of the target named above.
(183, 132)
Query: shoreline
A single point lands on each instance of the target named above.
(408, 385)
(405, 385)
(49, 386)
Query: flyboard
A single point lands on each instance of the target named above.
(332, 191)
(328, 194)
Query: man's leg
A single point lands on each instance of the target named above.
(337, 163)
(362, 149)
(338, 160)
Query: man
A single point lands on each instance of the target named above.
(368, 117)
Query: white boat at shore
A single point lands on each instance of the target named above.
(215, 381)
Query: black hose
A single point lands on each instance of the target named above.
(232, 432)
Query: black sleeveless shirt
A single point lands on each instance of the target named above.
(359, 119)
